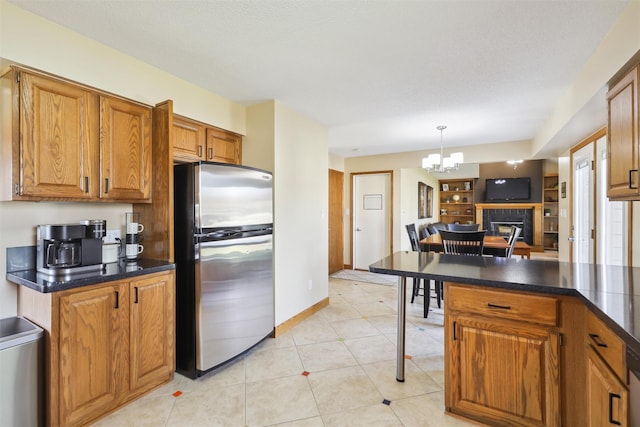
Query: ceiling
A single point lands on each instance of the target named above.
(380, 75)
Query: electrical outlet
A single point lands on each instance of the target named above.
(310, 284)
(111, 235)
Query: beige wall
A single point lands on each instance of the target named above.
(259, 143)
(409, 178)
(35, 42)
(295, 148)
(622, 42)
(301, 198)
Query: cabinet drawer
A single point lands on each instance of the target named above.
(504, 304)
(607, 344)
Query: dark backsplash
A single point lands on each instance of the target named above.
(21, 258)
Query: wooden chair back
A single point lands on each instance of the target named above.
(463, 242)
(464, 227)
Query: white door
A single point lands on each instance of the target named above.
(371, 219)
(582, 220)
(611, 238)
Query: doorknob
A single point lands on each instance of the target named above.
(570, 239)
(357, 229)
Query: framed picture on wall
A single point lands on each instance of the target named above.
(429, 201)
(422, 200)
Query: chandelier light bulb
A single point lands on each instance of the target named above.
(438, 162)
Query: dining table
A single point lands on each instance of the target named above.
(493, 245)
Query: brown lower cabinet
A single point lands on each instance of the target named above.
(107, 344)
(607, 391)
(607, 396)
(527, 359)
(502, 371)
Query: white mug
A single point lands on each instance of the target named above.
(134, 228)
(133, 250)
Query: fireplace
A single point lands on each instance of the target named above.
(497, 219)
(503, 228)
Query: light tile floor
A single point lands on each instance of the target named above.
(347, 348)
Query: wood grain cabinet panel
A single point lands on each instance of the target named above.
(71, 142)
(92, 341)
(623, 138)
(58, 124)
(106, 344)
(125, 141)
(189, 139)
(607, 396)
(224, 147)
(501, 371)
(152, 323)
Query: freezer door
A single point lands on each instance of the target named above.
(230, 196)
(234, 298)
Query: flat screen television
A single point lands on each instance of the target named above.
(504, 189)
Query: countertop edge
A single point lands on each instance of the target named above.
(15, 277)
(628, 339)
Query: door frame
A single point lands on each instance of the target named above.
(591, 139)
(352, 175)
(340, 191)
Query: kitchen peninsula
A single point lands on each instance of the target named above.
(530, 342)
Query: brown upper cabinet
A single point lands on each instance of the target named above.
(65, 141)
(189, 141)
(623, 138)
(194, 141)
(223, 146)
(125, 150)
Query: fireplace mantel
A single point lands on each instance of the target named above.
(537, 217)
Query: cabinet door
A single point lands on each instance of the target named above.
(152, 330)
(607, 397)
(504, 373)
(622, 138)
(224, 147)
(92, 352)
(189, 140)
(59, 128)
(125, 141)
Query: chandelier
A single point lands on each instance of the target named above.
(438, 162)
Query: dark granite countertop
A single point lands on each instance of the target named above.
(611, 292)
(110, 272)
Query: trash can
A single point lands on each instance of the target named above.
(20, 372)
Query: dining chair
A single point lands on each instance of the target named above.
(463, 242)
(423, 233)
(464, 227)
(435, 227)
(415, 246)
(513, 238)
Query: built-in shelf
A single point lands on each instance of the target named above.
(457, 201)
(550, 211)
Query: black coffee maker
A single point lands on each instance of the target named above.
(67, 249)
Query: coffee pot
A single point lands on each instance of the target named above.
(64, 249)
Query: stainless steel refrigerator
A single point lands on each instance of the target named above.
(224, 275)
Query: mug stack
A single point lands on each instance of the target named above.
(133, 237)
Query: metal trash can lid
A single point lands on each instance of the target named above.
(17, 331)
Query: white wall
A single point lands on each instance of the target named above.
(301, 222)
